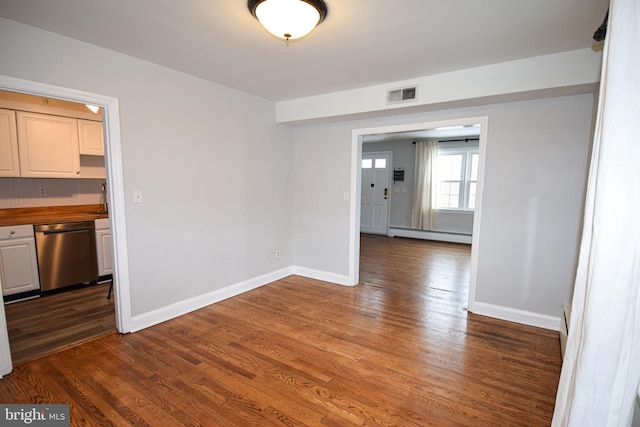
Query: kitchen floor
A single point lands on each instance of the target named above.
(47, 324)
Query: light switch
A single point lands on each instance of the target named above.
(137, 196)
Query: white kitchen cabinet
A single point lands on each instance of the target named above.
(90, 138)
(18, 262)
(9, 160)
(48, 146)
(103, 247)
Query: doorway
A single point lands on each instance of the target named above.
(358, 138)
(59, 312)
(113, 156)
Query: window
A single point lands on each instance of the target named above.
(381, 163)
(371, 163)
(457, 174)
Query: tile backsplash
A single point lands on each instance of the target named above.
(38, 192)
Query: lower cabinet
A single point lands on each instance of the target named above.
(103, 247)
(18, 262)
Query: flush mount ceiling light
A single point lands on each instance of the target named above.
(288, 19)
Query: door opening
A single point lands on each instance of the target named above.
(413, 132)
(114, 181)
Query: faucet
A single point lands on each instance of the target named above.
(103, 188)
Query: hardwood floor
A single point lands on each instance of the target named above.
(47, 324)
(399, 349)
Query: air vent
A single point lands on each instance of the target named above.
(405, 94)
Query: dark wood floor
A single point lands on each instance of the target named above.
(399, 349)
(47, 324)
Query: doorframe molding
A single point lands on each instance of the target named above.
(357, 136)
(115, 182)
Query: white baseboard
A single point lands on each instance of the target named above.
(429, 235)
(183, 307)
(163, 314)
(322, 275)
(519, 316)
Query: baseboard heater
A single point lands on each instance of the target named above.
(442, 236)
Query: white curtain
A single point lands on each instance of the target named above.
(423, 216)
(601, 370)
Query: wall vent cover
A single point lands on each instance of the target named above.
(405, 94)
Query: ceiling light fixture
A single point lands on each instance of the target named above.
(288, 19)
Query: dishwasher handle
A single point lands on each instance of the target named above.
(74, 230)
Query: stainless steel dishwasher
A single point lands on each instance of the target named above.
(66, 254)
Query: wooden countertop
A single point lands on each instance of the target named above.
(50, 214)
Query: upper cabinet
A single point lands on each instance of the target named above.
(48, 146)
(37, 145)
(90, 138)
(9, 161)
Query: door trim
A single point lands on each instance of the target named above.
(356, 173)
(115, 182)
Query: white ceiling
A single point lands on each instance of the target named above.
(361, 43)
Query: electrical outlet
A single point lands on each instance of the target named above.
(277, 253)
(42, 191)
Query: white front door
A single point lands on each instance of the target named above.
(374, 212)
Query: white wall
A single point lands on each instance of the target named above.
(536, 164)
(535, 176)
(213, 166)
(321, 173)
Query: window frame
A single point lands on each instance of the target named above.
(465, 180)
